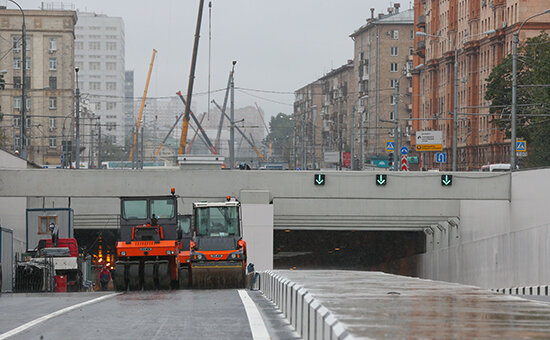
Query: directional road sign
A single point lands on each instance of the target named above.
(390, 145)
(446, 180)
(404, 164)
(521, 146)
(381, 180)
(441, 157)
(319, 179)
(404, 150)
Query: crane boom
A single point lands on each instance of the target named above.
(185, 125)
(242, 134)
(142, 103)
(199, 126)
(220, 126)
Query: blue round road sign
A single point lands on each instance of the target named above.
(404, 150)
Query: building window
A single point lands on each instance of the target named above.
(79, 45)
(110, 46)
(53, 103)
(94, 45)
(16, 44)
(17, 82)
(110, 28)
(98, 106)
(53, 64)
(52, 124)
(110, 126)
(391, 115)
(392, 83)
(111, 105)
(110, 86)
(94, 65)
(52, 45)
(53, 142)
(394, 67)
(394, 34)
(110, 66)
(94, 28)
(52, 83)
(16, 63)
(17, 122)
(44, 223)
(411, 51)
(394, 51)
(392, 100)
(412, 34)
(27, 63)
(95, 85)
(17, 103)
(28, 103)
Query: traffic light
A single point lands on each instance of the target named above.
(390, 159)
(2, 82)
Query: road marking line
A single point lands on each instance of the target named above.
(257, 325)
(53, 315)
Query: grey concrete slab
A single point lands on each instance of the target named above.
(278, 327)
(375, 305)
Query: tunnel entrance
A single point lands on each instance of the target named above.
(99, 244)
(347, 250)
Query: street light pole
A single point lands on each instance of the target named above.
(23, 132)
(455, 113)
(77, 115)
(515, 42)
(397, 147)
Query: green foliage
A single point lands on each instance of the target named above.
(281, 133)
(533, 102)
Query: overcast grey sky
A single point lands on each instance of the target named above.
(280, 45)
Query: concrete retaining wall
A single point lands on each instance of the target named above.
(310, 319)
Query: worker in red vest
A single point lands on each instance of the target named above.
(104, 278)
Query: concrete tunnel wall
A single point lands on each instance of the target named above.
(500, 244)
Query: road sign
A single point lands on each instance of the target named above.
(429, 140)
(521, 146)
(331, 156)
(319, 179)
(446, 180)
(441, 157)
(404, 150)
(390, 145)
(521, 154)
(404, 165)
(381, 180)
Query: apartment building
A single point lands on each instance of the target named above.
(99, 55)
(383, 50)
(480, 31)
(308, 133)
(129, 112)
(49, 81)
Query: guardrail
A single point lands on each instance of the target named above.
(528, 290)
(305, 313)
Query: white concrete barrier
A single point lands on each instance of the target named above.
(310, 319)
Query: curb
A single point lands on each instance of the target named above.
(527, 290)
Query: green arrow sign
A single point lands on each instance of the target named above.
(381, 180)
(446, 180)
(319, 179)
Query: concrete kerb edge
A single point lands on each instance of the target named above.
(335, 329)
(537, 290)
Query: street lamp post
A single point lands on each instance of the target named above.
(77, 141)
(23, 134)
(455, 90)
(515, 41)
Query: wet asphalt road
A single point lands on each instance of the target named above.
(183, 314)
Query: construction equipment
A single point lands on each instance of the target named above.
(48, 264)
(252, 145)
(199, 126)
(260, 113)
(218, 252)
(142, 104)
(149, 243)
(225, 98)
(185, 125)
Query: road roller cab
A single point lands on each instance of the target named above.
(217, 251)
(149, 243)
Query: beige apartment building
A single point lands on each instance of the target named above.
(307, 151)
(49, 81)
(481, 33)
(383, 50)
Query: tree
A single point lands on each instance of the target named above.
(533, 97)
(281, 133)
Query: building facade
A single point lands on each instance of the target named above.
(49, 81)
(99, 55)
(480, 31)
(308, 132)
(383, 50)
(129, 116)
